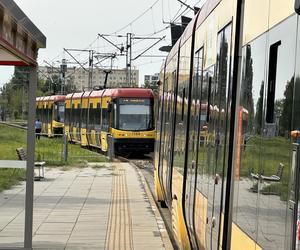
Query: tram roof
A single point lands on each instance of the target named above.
(77, 95)
(128, 92)
(51, 98)
(205, 11)
(120, 92)
(57, 98)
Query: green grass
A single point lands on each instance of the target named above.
(10, 177)
(258, 156)
(265, 158)
(49, 150)
(11, 138)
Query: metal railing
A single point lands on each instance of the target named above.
(58, 150)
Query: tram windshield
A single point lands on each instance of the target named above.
(134, 114)
(59, 111)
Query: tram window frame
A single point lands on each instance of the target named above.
(67, 110)
(48, 113)
(104, 119)
(84, 116)
(297, 6)
(171, 101)
(209, 98)
(182, 108)
(273, 61)
(78, 120)
(73, 115)
(89, 116)
(97, 117)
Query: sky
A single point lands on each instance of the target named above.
(76, 24)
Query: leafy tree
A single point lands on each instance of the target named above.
(285, 117)
(247, 86)
(259, 109)
(296, 107)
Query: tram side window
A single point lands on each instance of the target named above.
(104, 126)
(91, 117)
(90, 121)
(201, 93)
(45, 111)
(48, 114)
(83, 116)
(43, 114)
(78, 113)
(73, 118)
(97, 117)
(183, 102)
(174, 76)
(67, 115)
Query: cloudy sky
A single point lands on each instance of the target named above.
(75, 24)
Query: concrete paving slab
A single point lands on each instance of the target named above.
(99, 207)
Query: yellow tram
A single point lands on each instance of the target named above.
(226, 164)
(50, 111)
(125, 114)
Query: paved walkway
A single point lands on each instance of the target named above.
(100, 207)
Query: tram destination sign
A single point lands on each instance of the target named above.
(133, 101)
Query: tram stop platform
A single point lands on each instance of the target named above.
(104, 206)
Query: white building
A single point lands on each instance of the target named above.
(80, 77)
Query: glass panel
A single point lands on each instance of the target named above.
(219, 130)
(276, 146)
(294, 213)
(162, 137)
(193, 148)
(182, 109)
(61, 111)
(249, 130)
(169, 127)
(159, 127)
(205, 167)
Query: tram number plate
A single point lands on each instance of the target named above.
(136, 133)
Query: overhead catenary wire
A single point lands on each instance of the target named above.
(137, 18)
(151, 62)
(94, 44)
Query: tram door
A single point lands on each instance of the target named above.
(194, 131)
(219, 129)
(168, 137)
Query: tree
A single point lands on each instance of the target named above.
(259, 109)
(247, 86)
(296, 107)
(285, 118)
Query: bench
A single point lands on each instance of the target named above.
(275, 177)
(267, 179)
(38, 164)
